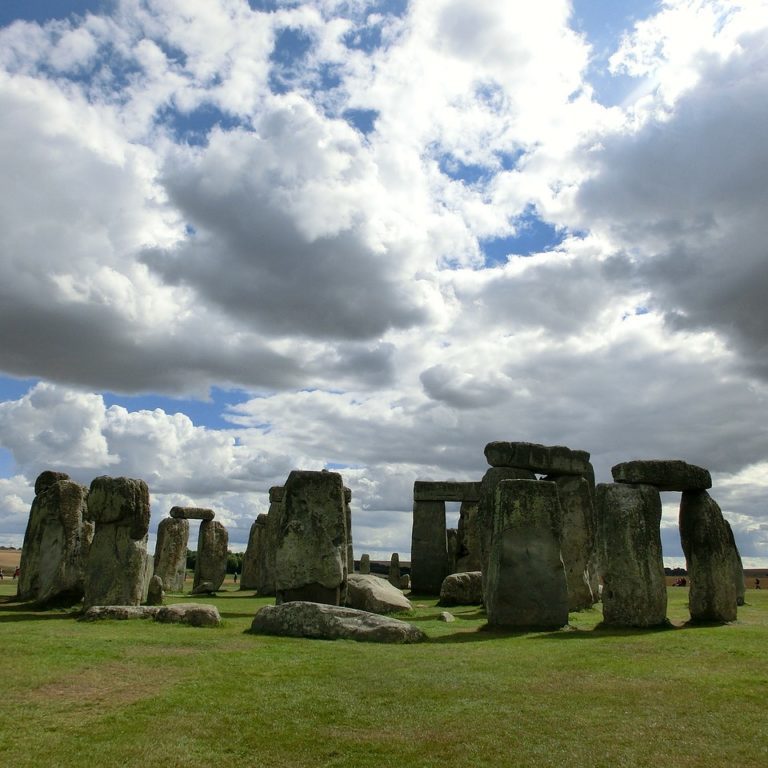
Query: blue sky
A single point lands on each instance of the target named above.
(378, 235)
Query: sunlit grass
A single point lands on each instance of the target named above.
(134, 693)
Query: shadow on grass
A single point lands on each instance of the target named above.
(10, 610)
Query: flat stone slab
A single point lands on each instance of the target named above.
(664, 474)
(193, 614)
(332, 622)
(192, 513)
(542, 459)
(367, 592)
(445, 490)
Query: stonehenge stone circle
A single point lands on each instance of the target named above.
(311, 556)
(171, 552)
(664, 474)
(56, 541)
(118, 568)
(631, 566)
(708, 557)
(525, 584)
(211, 562)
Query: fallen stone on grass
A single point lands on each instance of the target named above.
(462, 589)
(204, 588)
(331, 622)
(447, 617)
(194, 614)
(367, 592)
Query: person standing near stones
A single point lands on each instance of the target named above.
(2, 575)
(757, 583)
(16, 573)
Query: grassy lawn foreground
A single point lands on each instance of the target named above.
(133, 693)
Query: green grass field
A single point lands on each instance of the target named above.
(140, 693)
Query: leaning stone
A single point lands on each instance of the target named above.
(631, 566)
(375, 595)
(171, 553)
(194, 614)
(447, 617)
(708, 558)
(311, 557)
(664, 474)
(118, 567)
(119, 612)
(155, 594)
(211, 562)
(542, 459)
(192, 513)
(445, 490)
(332, 622)
(462, 589)
(365, 563)
(56, 542)
(525, 583)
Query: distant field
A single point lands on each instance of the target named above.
(9, 559)
(139, 693)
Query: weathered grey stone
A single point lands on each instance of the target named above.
(468, 538)
(542, 459)
(249, 578)
(429, 547)
(56, 542)
(489, 484)
(193, 614)
(452, 543)
(631, 566)
(405, 581)
(119, 612)
(394, 570)
(367, 592)
(330, 622)
(525, 583)
(737, 565)
(211, 562)
(709, 559)
(204, 588)
(348, 523)
(447, 617)
(464, 588)
(47, 478)
(365, 563)
(577, 540)
(268, 546)
(445, 490)
(276, 494)
(171, 553)
(155, 594)
(310, 562)
(664, 474)
(118, 567)
(192, 513)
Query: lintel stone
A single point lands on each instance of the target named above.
(445, 490)
(192, 513)
(542, 459)
(664, 474)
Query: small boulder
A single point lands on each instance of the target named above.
(332, 622)
(462, 589)
(367, 592)
(204, 588)
(447, 617)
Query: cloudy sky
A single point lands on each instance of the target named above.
(238, 238)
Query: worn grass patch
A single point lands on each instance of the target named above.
(125, 693)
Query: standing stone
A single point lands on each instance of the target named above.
(365, 563)
(468, 538)
(631, 565)
(249, 578)
(737, 565)
(348, 521)
(155, 594)
(211, 562)
(525, 585)
(394, 570)
(429, 547)
(56, 541)
(268, 552)
(171, 553)
(708, 558)
(119, 567)
(452, 542)
(577, 540)
(311, 557)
